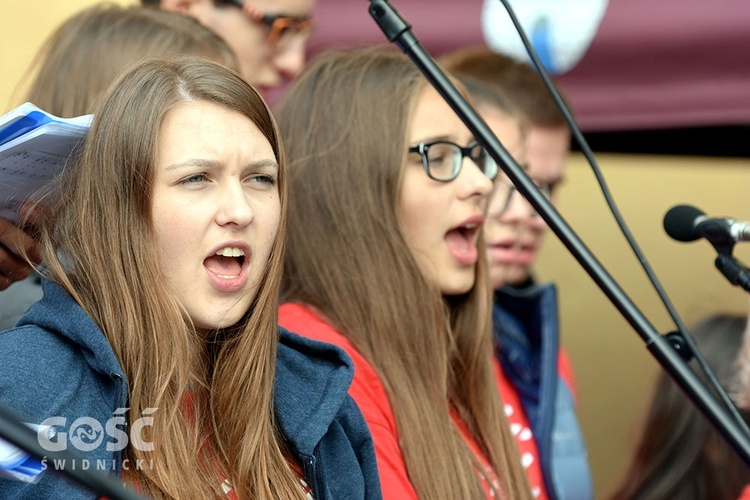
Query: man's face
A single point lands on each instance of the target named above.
(547, 150)
(515, 235)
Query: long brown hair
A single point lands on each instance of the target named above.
(98, 245)
(345, 123)
(680, 455)
(85, 54)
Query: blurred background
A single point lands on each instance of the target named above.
(663, 97)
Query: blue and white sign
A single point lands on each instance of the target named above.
(561, 31)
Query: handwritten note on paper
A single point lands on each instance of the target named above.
(31, 160)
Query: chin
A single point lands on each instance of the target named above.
(517, 276)
(498, 276)
(216, 323)
(458, 286)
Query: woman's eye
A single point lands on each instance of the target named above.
(263, 179)
(194, 179)
(436, 159)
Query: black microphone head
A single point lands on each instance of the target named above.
(679, 222)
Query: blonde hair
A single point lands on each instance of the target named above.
(98, 244)
(345, 124)
(85, 54)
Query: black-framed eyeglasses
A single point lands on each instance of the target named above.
(502, 196)
(281, 26)
(442, 160)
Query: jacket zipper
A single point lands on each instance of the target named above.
(315, 473)
(120, 401)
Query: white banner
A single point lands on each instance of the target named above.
(561, 31)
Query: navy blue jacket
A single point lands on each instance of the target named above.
(527, 335)
(57, 363)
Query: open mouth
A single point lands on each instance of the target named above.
(462, 243)
(462, 237)
(226, 263)
(511, 252)
(514, 245)
(506, 245)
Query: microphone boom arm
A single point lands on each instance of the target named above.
(733, 271)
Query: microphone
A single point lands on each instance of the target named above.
(687, 223)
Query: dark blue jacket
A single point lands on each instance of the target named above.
(526, 334)
(57, 363)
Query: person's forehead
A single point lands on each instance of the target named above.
(297, 8)
(547, 151)
(432, 118)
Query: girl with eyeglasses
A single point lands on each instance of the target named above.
(534, 374)
(386, 260)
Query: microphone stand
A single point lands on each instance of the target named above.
(16, 433)
(736, 273)
(398, 31)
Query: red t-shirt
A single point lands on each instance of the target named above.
(487, 476)
(519, 423)
(370, 396)
(521, 430)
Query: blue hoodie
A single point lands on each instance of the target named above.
(57, 363)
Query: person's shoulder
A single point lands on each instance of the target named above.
(366, 387)
(45, 380)
(310, 390)
(32, 359)
(43, 373)
(24, 348)
(348, 452)
(307, 322)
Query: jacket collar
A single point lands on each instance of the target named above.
(312, 380)
(58, 312)
(311, 383)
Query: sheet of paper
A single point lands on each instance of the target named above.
(29, 162)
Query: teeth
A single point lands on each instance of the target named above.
(471, 225)
(230, 252)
